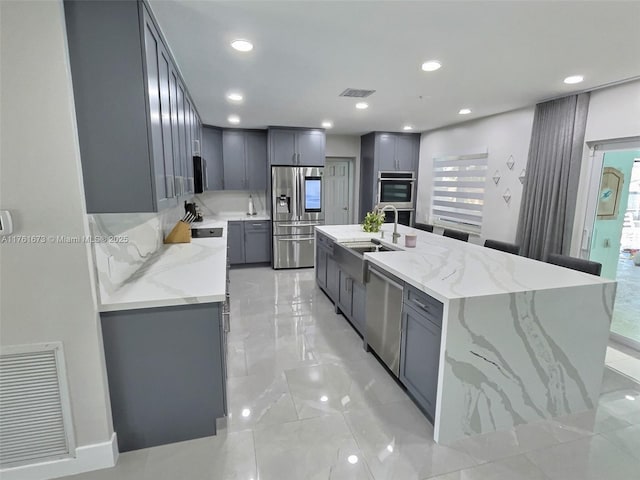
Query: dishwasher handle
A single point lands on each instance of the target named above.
(385, 278)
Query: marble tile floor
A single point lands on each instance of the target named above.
(306, 402)
(626, 319)
(623, 359)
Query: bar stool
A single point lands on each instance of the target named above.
(424, 226)
(586, 266)
(503, 246)
(457, 234)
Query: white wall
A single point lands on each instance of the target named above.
(614, 113)
(347, 146)
(503, 135)
(47, 291)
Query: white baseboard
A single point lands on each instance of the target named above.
(87, 458)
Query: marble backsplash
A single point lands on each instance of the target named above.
(231, 201)
(126, 241)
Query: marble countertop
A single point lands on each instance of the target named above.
(177, 274)
(448, 269)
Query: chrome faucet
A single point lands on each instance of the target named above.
(395, 235)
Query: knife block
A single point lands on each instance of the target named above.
(181, 233)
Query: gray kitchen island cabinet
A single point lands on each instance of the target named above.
(298, 147)
(166, 370)
(136, 122)
(420, 347)
(244, 154)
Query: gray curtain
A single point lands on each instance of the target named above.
(551, 182)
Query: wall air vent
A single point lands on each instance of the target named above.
(357, 93)
(35, 421)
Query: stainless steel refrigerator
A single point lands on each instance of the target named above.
(296, 208)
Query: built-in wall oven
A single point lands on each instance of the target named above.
(397, 189)
(296, 209)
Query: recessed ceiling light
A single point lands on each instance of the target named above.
(407, 127)
(327, 124)
(235, 97)
(233, 119)
(352, 459)
(431, 66)
(362, 105)
(464, 111)
(246, 412)
(629, 397)
(242, 45)
(573, 79)
(324, 398)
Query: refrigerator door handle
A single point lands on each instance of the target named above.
(300, 193)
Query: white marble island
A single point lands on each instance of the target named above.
(521, 340)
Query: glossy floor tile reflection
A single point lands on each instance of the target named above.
(306, 402)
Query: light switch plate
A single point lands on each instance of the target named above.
(6, 225)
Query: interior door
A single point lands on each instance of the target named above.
(337, 192)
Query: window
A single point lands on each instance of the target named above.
(458, 190)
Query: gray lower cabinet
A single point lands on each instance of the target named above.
(333, 279)
(420, 349)
(244, 154)
(257, 241)
(136, 122)
(166, 373)
(321, 267)
(249, 242)
(345, 295)
(324, 249)
(235, 241)
(212, 154)
(359, 306)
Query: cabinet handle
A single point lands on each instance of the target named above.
(226, 324)
(295, 239)
(421, 305)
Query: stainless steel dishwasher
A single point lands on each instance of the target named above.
(384, 317)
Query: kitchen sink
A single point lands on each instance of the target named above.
(350, 257)
(206, 232)
(367, 247)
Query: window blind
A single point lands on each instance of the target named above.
(458, 190)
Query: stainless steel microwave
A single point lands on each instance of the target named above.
(397, 189)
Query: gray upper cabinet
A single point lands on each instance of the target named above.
(384, 151)
(233, 155)
(311, 147)
(256, 160)
(212, 153)
(244, 154)
(130, 108)
(407, 148)
(303, 147)
(397, 151)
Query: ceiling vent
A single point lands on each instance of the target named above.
(358, 93)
